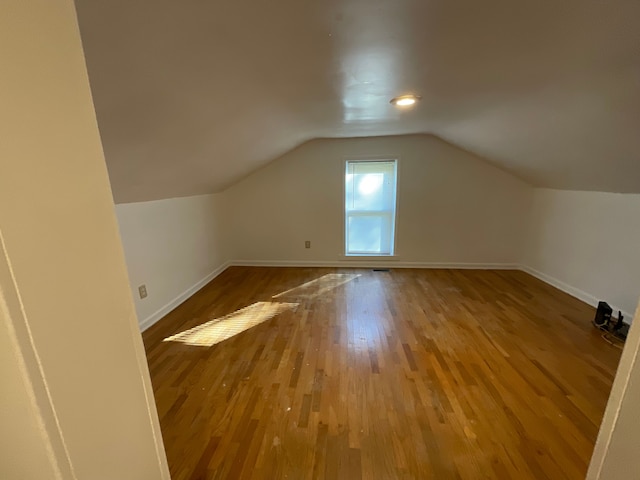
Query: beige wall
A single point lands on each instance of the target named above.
(20, 413)
(172, 246)
(65, 276)
(453, 208)
(587, 243)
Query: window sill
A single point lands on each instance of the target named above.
(363, 257)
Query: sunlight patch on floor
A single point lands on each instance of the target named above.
(319, 286)
(220, 329)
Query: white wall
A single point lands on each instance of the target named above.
(77, 359)
(587, 243)
(453, 208)
(172, 246)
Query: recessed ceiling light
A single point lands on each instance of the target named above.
(405, 100)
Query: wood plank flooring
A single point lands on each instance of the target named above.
(408, 374)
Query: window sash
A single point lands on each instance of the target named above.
(387, 200)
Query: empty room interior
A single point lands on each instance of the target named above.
(319, 240)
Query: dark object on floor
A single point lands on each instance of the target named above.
(380, 269)
(603, 315)
(620, 329)
(612, 326)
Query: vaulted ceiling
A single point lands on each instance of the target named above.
(192, 95)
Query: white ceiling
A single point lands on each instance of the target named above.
(192, 95)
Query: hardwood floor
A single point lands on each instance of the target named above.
(408, 374)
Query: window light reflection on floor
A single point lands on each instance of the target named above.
(318, 286)
(220, 329)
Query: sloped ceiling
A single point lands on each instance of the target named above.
(193, 95)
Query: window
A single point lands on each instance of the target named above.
(370, 207)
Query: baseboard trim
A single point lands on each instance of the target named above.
(165, 309)
(571, 290)
(366, 263)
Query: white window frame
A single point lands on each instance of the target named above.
(391, 215)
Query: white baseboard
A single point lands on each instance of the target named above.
(378, 262)
(571, 290)
(162, 311)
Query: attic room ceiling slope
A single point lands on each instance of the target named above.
(191, 96)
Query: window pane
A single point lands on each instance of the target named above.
(368, 194)
(365, 234)
(370, 186)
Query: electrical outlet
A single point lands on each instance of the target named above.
(307, 244)
(142, 290)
